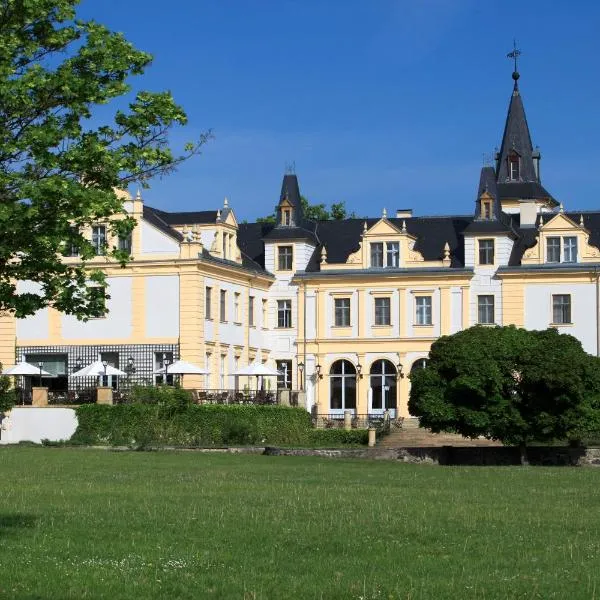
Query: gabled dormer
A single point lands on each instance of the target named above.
(289, 209)
(561, 239)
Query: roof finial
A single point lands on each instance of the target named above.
(364, 227)
(446, 260)
(403, 226)
(138, 194)
(226, 202)
(561, 208)
(541, 223)
(515, 55)
(581, 221)
(323, 255)
(218, 215)
(384, 214)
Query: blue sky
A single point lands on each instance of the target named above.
(387, 103)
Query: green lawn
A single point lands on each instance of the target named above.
(95, 524)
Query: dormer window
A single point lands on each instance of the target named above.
(286, 216)
(513, 167)
(486, 209)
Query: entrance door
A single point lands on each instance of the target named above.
(384, 389)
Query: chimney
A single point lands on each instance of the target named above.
(404, 213)
(529, 211)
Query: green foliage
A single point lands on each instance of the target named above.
(508, 384)
(316, 212)
(339, 437)
(168, 422)
(58, 173)
(8, 394)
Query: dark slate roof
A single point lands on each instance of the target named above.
(250, 240)
(155, 217)
(290, 190)
(187, 218)
(248, 264)
(293, 233)
(517, 139)
(531, 190)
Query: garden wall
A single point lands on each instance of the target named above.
(32, 424)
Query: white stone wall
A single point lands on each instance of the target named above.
(456, 295)
(30, 424)
(37, 325)
(117, 324)
(162, 306)
(154, 241)
(538, 310)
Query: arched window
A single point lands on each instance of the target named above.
(420, 363)
(342, 385)
(383, 385)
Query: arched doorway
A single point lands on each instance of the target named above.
(384, 387)
(342, 386)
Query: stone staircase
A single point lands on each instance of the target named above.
(410, 435)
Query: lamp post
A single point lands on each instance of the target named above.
(166, 362)
(40, 365)
(359, 370)
(301, 369)
(400, 372)
(318, 371)
(78, 363)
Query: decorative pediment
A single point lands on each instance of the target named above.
(382, 227)
(560, 222)
(231, 220)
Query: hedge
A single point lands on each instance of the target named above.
(140, 425)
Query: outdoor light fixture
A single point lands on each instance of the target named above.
(130, 368)
(301, 369)
(400, 373)
(105, 365)
(40, 365)
(318, 371)
(359, 370)
(78, 363)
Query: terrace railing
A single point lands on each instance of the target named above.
(380, 421)
(71, 397)
(260, 397)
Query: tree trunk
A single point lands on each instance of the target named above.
(523, 453)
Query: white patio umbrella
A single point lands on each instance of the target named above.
(25, 368)
(258, 370)
(97, 369)
(181, 367)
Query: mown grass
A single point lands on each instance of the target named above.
(78, 523)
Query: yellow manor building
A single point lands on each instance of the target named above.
(344, 310)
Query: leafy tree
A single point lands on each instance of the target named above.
(508, 384)
(60, 161)
(316, 212)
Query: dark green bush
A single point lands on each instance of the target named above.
(339, 437)
(8, 394)
(171, 422)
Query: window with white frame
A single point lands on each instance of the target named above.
(485, 309)
(236, 307)
(423, 304)
(514, 167)
(342, 312)
(251, 311)
(382, 311)
(285, 258)
(553, 249)
(570, 249)
(377, 254)
(208, 302)
(99, 239)
(392, 254)
(561, 309)
(284, 314)
(223, 306)
(486, 252)
(265, 313)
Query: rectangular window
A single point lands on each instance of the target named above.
(236, 308)
(423, 304)
(251, 311)
(208, 303)
(486, 252)
(99, 239)
(208, 367)
(392, 254)
(342, 312)
(225, 245)
(377, 254)
(285, 258)
(561, 308)
(485, 310)
(162, 359)
(570, 249)
(71, 249)
(125, 244)
(287, 217)
(284, 314)
(486, 210)
(382, 311)
(553, 249)
(223, 307)
(265, 314)
(284, 379)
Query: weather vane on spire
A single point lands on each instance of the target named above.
(514, 55)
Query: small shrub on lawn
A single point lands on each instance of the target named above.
(339, 437)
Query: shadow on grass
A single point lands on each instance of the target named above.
(13, 522)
